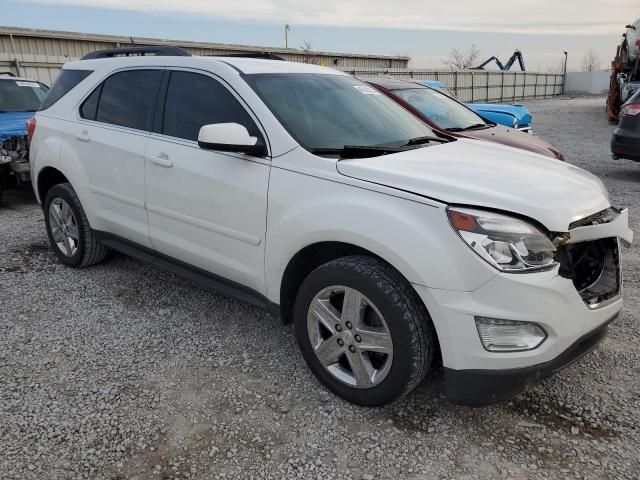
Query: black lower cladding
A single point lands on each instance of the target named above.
(593, 267)
(208, 279)
(477, 388)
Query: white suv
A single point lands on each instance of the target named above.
(303, 190)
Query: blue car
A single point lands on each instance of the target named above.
(19, 99)
(513, 115)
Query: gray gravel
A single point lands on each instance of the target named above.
(121, 371)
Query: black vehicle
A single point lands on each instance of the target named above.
(626, 137)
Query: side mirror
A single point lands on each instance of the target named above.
(230, 137)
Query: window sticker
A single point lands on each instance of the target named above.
(28, 84)
(366, 90)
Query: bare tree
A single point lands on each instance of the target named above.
(591, 61)
(307, 51)
(558, 68)
(462, 60)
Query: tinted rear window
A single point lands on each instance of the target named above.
(128, 99)
(65, 82)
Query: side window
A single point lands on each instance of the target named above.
(127, 99)
(67, 79)
(89, 107)
(194, 100)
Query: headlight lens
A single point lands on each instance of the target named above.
(507, 243)
(515, 123)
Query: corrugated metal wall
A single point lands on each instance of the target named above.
(478, 85)
(41, 53)
(595, 83)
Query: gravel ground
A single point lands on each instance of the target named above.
(121, 371)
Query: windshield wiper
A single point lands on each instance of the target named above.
(421, 140)
(475, 126)
(357, 151)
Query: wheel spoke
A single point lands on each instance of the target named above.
(325, 314)
(54, 214)
(375, 339)
(72, 232)
(328, 352)
(352, 306)
(56, 233)
(65, 212)
(361, 368)
(67, 246)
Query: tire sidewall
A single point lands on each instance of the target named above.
(55, 192)
(398, 376)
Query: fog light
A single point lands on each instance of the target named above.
(508, 335)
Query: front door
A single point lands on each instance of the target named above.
(206, 208)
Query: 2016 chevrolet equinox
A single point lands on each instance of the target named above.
(306, 191)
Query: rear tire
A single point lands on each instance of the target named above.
(383, 354)
(68, 229)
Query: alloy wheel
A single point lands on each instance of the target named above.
(349, 336)
(64, 228)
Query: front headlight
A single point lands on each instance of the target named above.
(515, 123)
(507, 243)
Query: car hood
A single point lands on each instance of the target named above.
(13, 124)
(518, 111)
(514, 138)
(483, 174)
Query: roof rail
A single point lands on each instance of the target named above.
(264, 55)
(9, 74)
(157, 50)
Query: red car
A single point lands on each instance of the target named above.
(450, 117)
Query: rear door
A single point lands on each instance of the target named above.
(206, 208)
(111, 139)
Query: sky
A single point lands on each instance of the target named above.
(425, 30)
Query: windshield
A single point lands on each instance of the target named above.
(324, 112)
(21, 95)
(440, 109)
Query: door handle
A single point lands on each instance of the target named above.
(162, 159)
(83, 136)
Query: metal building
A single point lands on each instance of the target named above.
(39, 54)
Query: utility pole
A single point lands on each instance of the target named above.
(287, 29)
(564, 72)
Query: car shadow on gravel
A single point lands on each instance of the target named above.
(625, 174)
(15, 198)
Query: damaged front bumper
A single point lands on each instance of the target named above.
(573, 303)
(14, 160)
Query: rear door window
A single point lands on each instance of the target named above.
(127, 99)
(194, 100)
(66, 81)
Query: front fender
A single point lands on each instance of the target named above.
(413, 237)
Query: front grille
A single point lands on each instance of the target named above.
(593, 267)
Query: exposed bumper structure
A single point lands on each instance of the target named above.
(573, 303)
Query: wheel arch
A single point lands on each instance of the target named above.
(308, 259)
(47, 178)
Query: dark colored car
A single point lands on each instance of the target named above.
(626, 137)
(450, 117)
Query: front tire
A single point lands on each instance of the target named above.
(68, 228)
(363, 330)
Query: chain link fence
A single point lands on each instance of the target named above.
(478, 85)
